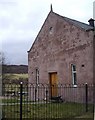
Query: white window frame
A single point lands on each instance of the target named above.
(74, 80)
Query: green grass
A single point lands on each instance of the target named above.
(9, 100)
(15, 99)
(49, 110)
(16, 76)
(86, 115)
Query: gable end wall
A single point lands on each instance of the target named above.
(56, 50)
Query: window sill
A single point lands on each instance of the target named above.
(74, 86)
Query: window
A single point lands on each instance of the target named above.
(74, 76)
(51, 30)
(37, 76)
(37, 84)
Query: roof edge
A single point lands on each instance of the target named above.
(72, 22)
(40, 30)
(66, 19)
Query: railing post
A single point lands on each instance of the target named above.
(21, 87)
(46, 95)
(86, 97)
(35, 94)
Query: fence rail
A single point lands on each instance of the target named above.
(44, 101)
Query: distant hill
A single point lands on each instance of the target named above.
(17, 69)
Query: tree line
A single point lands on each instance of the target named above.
(16, 69)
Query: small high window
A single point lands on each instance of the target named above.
(74, 75)
(51, 30)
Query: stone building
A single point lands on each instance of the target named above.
(63, 52)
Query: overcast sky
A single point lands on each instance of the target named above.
(21, 20)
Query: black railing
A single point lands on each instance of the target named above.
(43, 101)
(86, 96)
(21, 99)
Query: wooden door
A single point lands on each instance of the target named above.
(53, 84)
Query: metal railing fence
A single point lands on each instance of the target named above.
(42, 101)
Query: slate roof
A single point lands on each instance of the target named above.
(82, 25)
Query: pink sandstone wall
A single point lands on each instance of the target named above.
(56, 49)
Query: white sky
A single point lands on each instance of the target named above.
(21, 20)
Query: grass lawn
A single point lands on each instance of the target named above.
(49, 110)
(86, 115)
(14, 100)
(15, 76)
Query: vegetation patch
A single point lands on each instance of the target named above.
(49, 110)
(14, 78)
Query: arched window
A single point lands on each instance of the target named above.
(37, 76)
(74, 74)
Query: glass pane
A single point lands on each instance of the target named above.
(74, 67)
(75, 79)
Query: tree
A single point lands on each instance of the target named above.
(0, 73)
(2, 76)
(2, 59)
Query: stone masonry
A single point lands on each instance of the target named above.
(58, 45)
